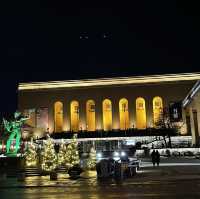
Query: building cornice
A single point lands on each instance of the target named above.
(109, 81)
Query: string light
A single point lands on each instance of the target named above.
(49, 157)
(91, 162)
(61, 154)
(72, 155)
(31, 155)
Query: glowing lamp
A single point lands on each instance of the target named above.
(99, 155)
(123, 154)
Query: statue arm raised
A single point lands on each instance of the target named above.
(22, 120)
(7, 125)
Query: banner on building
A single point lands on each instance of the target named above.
(42, 119)
(30, 113)
(175, 111)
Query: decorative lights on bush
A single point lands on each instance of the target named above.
(91, 162)
(61, 154)
(31, 155)
(72, 155)
(49, 157)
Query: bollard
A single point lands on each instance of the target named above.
(21, 176)
(53, 176)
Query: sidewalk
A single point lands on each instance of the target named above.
(169, 170)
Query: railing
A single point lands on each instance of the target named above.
(114, 133)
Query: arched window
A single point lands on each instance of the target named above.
(123, 114)
(107, 115)
(58, 116)
(157, 110)
(90, 115)
(74, 109)
(141, 121)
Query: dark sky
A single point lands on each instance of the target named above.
(53, 40)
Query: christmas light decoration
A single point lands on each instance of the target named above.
(91, 162)
(61, 154)
(49, 157)
(72, 155)
(31, 155)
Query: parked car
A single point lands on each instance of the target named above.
(188, 153)
(176, 154)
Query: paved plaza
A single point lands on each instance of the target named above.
(175, 178)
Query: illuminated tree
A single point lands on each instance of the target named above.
(49, 157)
(167, 127)
(91, 162)
(72, 155)
(61, 154)
(31, 155)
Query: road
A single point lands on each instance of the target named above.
(167, 181)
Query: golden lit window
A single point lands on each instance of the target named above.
(74, 109)
(123, 114)
(157, 109)
(107, 115)
(58, 116)
(90, 115)
(141, 121)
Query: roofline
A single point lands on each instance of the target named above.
(109, 81)
(191, 94)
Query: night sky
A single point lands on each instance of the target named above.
(55, 40)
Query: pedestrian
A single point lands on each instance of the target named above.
(153, 157)
(157, 157)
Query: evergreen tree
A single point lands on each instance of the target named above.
(91, 162)
(72, 155)
(49, 157)
(61, 154)
(31, 155)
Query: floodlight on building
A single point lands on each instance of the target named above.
(99, 155)
(123, 154)
(116, 154)
(109, 81)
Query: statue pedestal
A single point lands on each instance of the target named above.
(53, 176)
(11, 165)
(11, 154)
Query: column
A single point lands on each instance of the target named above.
(99, 114)
(115, 113)
(185, 127)
(197, 105)
(82, 115)
(51, 117)
(192, 126)
(66, 115)
(149, 111)
(132, 112)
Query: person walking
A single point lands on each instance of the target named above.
(157, 157)
(153, 157)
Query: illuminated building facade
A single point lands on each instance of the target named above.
(102, 104)
(191, 106)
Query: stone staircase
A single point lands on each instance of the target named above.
(32, 171)
(61, 169)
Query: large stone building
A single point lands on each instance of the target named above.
(191, 106)
(102, 104)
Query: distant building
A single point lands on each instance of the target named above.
(104, 104)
